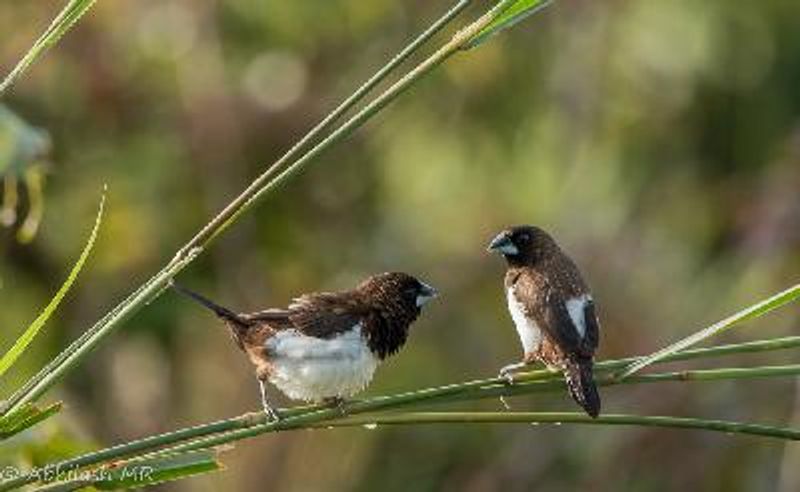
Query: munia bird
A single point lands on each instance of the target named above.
(326, 346)
(553, 310)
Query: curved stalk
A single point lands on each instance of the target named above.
(464, 392)
(59, 26)
(751, 312)
(556, 382)
(252, 424)
(558, 418)
(267, 181)
(222, 218)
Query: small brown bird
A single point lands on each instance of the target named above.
(552, 309)
(326, 346)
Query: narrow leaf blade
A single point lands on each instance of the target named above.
(26, 417)
(159, 471)
(33, 329)
(751, 312)
(514, 13)
(140, 473)
(62, 23)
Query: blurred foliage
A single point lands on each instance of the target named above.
(23, 153)
(659, 141)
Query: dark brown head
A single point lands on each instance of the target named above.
(397, 288)
(396, 300)
(524, 245)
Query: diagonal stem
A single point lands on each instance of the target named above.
(76, 351)
(57, 28)
(252, 424)
(53, 371)
(751, 312)
(453, 393)
(243, 203)
(218, 222)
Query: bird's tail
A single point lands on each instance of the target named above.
(580, 383)
(237, 324)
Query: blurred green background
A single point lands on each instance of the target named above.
(658, 140)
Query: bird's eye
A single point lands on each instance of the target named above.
(524, 237)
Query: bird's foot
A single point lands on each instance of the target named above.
(507, 372)
(508, 376)
(338, 403)
(271, 414)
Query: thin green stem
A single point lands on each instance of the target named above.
(556, 383)
(769, 345)
(65, 19)
(716, 351)
(76, 351)
(252, 424)
(714, 374)
(751, 312)
(532, 418)
(40, 383)
(447, 395)
(32, 384)
(19, 347)
(220, 221)
(456, 43)
(558, 418)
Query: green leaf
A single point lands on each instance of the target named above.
(138, 474)
(751, 312)
(516, 12)
(30, 333)
(65, 19)
(141, 473)
(25, 417)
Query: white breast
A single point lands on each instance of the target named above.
(529, 333)
(309, 368)
(576, 309)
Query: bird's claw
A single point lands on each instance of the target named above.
(507, 372)
(269, 412)
(339, 404)
(506, 375)
(272, 415)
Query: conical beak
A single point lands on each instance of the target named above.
(426, 293)
(502, 243)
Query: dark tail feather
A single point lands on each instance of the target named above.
(224, 313)
(580, 383)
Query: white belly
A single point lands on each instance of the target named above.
(529, 333)
(309, 368)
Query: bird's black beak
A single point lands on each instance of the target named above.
(426, 293)
(503, 243)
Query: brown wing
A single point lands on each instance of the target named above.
(570, 284)
(546, 307)
(322, 315)
(276, 316)
(592, 337)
